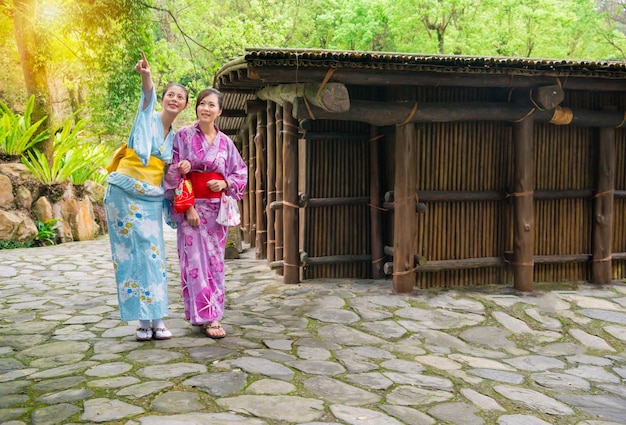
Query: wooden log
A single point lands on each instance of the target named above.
(391, 113)
(553, 259)
(271, 179)
(420, 207)
(305, 260)
(523, 209)
(331, 97)
(245, 216)
(461, 264)
(620, 194)
(421, 77)
(252, 179)
(619, 256)
(499, 262)
(419, 259)
(405, 226)
(291, 268)
(543, 97)
(462, 196)
(260, 141)
(279, 186)
(602, 272)
(332, 202)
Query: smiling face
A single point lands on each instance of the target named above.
(174, 99)
(208, 108)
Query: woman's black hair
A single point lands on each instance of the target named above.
(207, 92)
(170, 85)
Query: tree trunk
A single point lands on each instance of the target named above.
(32, 48)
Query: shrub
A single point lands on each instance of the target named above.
(46, 234)
(17, 133)
(73, 158)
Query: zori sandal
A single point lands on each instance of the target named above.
(143, 334)
(214, 330)
(162, 333)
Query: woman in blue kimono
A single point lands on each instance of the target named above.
(134, 205)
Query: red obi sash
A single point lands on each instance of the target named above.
(199, 181)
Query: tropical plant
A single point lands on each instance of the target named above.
(64, 163)
(94, 158)
(17, 132)
(46, 231)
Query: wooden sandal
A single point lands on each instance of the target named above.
(214, 330)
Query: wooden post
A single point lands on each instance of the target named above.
(523, 208)
(602, 273)
(404, 220)
(260, 141)
(291, 255)
(245, 216)
(252, 181)
(278, 227)
(271, 179)
(375, 205)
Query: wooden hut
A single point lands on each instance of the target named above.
(436, 171)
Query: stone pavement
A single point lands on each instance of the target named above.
(320, 352)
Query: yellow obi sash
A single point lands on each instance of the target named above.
(130, 165)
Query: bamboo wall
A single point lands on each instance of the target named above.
(469, 157)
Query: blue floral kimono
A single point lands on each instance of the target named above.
(134, 208)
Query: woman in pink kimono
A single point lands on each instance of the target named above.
(210, 160)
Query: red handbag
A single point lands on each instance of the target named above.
(183, 196)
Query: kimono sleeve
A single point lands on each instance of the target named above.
(236, 172)
(142, 133)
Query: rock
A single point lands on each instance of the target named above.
(17, 226)
(95, 192)
(23, 198)
(42, 208)
(6, 192)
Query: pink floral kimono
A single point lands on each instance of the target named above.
(201, 249)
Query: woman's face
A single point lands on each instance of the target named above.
(174, 100)
(208, 109)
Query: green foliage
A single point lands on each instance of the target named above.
(94, 158)
(17, 132)
(72, 158)
(16, 244)
(46, 232)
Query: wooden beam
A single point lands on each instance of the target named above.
(291, 268)
(271, 179)
(278, 219)
(523, 208)
(331, 97)
(603, 202)
(404, 221)
(245, 154)
(544, 97)
(450, 78)
(391, 113)
(260, 141)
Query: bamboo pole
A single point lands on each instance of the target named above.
(375, 204)
(603, 208)
(291, 267)
(524, 220)
(404, 229)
